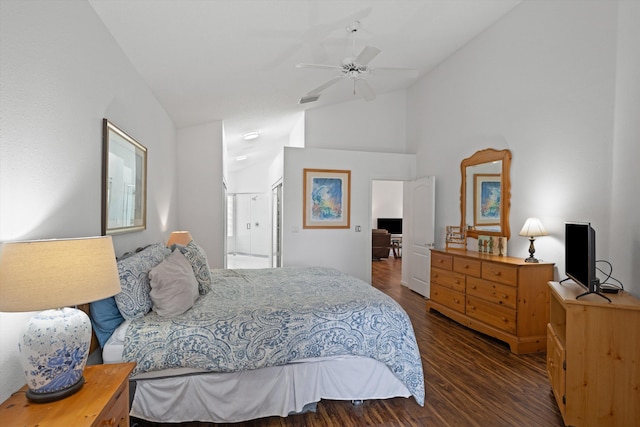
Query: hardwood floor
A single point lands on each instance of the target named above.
(470, 379)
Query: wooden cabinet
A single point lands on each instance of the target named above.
(593, 357)
(102, 401)
(500, 296)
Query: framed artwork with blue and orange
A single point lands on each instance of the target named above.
(326, 198)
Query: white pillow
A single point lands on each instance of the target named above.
(174, 287)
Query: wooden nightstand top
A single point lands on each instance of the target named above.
(103, 386)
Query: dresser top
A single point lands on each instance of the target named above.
(568, 291)
(488, 257)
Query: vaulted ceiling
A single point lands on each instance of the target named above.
(235, 60)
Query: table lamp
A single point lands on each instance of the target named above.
(50, 275)
(180, 238)
(532, 228)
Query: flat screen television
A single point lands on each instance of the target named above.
(580, 255)
(392, 225)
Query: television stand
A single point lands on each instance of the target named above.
(597, 292)
(592, 357)
(594, 292)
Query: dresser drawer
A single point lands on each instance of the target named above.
(449, 279)
(501, 273)
(495, 315)
(467, 266)
(441, 260)
(493, 292)
(448, 297)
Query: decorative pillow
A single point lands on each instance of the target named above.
(134, 300)
(198, 260)
(174, 287)
(105, 318)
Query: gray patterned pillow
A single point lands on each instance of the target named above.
(134, 300)
(198, 260)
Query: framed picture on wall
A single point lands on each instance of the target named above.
(486, 199)
(326, 198)
(124, 182)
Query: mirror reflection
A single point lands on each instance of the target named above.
(485, 193)
(484, 197)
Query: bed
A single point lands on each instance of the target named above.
(253, 343)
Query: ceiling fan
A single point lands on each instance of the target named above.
(354, 68)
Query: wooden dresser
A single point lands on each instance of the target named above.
(593, 356)
(102, 401)
(500, 296)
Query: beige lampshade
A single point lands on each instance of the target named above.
(179, 237)
(533, 228)
(42, 274)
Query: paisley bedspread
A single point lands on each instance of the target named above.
(266, 317)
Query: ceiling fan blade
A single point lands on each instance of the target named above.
(365, 90)
(367, 55)
(405, 72)
(325, 85)
(330, 67)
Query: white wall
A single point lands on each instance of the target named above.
(386, 200)
(624, 239)
(201, 196)
(377, 126)
(542, 83)
(61, 74)
(343, 249)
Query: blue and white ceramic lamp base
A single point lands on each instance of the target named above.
(54, 352)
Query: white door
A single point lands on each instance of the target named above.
(417, 243)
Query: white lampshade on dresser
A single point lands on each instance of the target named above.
(51, 275)
(532, 228)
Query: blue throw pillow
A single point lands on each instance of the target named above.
(105, 318)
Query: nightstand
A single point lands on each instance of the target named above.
(102, 401)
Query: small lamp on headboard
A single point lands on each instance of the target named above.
(180, 238)
(50, 275)
(532, 228)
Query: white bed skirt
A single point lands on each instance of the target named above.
(279, 390)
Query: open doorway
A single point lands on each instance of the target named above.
(387, 215)
(248, 230)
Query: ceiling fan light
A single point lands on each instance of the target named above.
(250, 135)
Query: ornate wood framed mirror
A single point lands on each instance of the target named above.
(485, 193)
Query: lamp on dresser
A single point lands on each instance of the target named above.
(179, 238)
(532, 228)
(51, 275)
